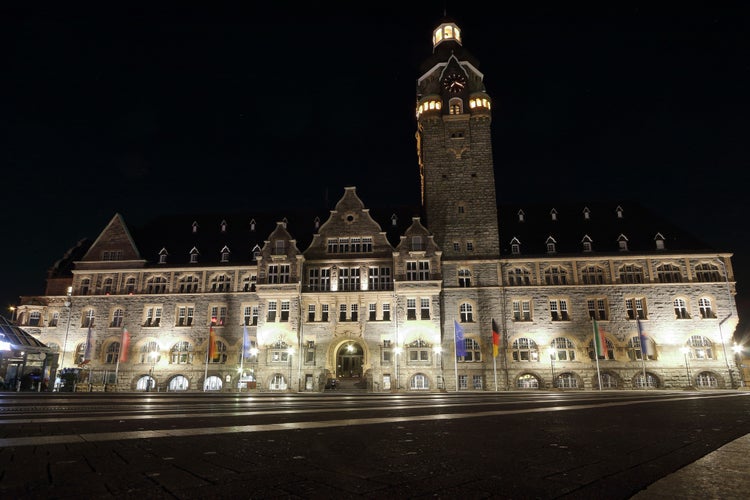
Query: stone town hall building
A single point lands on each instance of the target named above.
(376, 297)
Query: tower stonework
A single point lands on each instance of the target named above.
(455, 150)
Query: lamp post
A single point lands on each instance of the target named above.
(12, 310)
(552, 365)
(68, 305)
(438, 350)
(738, 361)
(685, 350)
(397, 350)
(290, 351)
(151, 382)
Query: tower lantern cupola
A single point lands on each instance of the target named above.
(444, 33)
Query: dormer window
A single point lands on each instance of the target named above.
(659, 239)
(587, 244)
(622, 243)
(456, 106)
(586, 213)
(551, 245)
(620, 212)
(394, 220)
(480, 103)
(163, 256)
(225, 254)
(316, 222)
(521, 216)
(553, 214)
(193, 255)
(223, 226)
(430, 105)
(256, 252)
(195, 226)
(515, 246)
(252, 225)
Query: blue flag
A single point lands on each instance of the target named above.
(642, 338)
(460, 345)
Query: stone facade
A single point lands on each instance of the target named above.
(377, 302)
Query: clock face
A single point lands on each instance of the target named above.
(455, 82)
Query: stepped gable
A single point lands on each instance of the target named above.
(639, 225)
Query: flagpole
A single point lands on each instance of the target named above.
(117, 366)
(208, 350)
(642, 342)
(494, 367)
(597, 341)
(455, 353)
(494, 349)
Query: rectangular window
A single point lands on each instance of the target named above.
(324, 312)
(386, 312)
(271, 312)
(311, 312)
(636, 308)
(313, 279)
(372, 312)
(463, 382)
(342, 312)
(387, 355)
(284, 310)
(424, 308)
(247, 315)
(153, 316)
(273, 273)
(255, 316)
(597, 309)
(559, 310)
(355, 312)
(424, 270)
(411, 309)
(310, 356)
(411, 271)
(184, 316)
(284, 273)
(385, 278)
(325, 279)
(477, 379)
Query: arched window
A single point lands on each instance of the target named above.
(680, 309)
(527, 381)
(35, 318)
(129, 287)
(519, 276)
(213, 383)
(631, 274)
(117, 317)
(610, 350)
(706, 379)
(525, 350)
(88, 318)
(157, 284)
(107, 286)
(609, 381)
(592, 275)
(635, 352)
(188, 284)
(221, 283)
(80, 353)
(650, 381)
(220, 352)
(278, 383)
(113, 353)
(704, 304)
(179, 383)
(566, 381)
(555, 275)
(145, 383)
(419, 382)
(181, 353)
(473, 351)
(700, 348)
(467, 313)
(707, 273)
(668, 273)
(150, 353)
(563, 349)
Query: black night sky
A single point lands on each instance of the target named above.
(174, 109)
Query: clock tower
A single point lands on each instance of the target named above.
(454, 147)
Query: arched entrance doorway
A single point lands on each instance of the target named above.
(349, 360)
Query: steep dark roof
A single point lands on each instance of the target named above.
(639, 225)
(175, 232)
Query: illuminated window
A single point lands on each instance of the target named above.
(525, 349)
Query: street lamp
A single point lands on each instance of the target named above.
(552, 364)
(290, 351)
(151, 382)
(685, 350)
(68, 304)
(397, 350)
(12, 310)
(738, 360)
